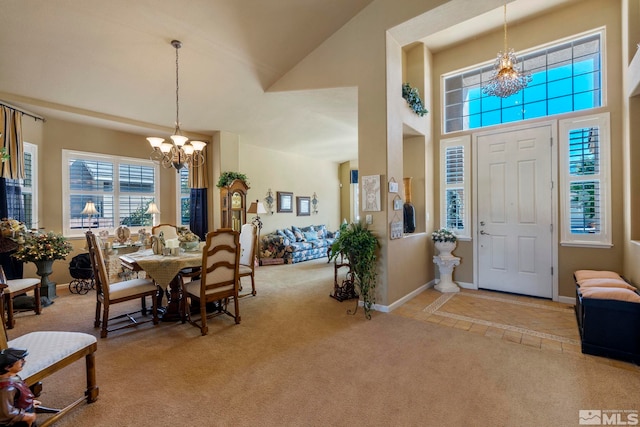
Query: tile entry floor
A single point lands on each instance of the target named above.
(534, 322)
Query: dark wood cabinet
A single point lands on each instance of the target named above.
(233, 202)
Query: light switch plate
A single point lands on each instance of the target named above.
(369, 219)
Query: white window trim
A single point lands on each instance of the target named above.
(465, 142)
(33, 150)
(603, 239)
(116, 160)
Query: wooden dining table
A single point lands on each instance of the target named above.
(164, 270)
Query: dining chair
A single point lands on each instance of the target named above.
(170, 231)
(113, 293)
(219, 279)
(13, 288)
(248, 241)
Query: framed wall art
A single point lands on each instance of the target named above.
(303, 206)
(370, 193)
(285, 201)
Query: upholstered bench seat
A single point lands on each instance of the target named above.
(50, 351)
(48, 348)
(608, 315)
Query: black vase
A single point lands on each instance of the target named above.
(409, 218)
(408, 208)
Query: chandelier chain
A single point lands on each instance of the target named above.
(177, 46)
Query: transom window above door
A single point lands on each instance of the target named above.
(566, 76)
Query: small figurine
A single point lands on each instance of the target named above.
(17, 403)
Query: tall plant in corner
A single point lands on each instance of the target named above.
(412, 96)
(359, 245)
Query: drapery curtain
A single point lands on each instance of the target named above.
(11, 142)
(12, 168)
(198, 221)
(199, 182)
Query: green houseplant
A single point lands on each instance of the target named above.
(226, 178)
(412, 96)
(43, 249)
(359, 245)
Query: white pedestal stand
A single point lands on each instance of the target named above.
(446, 264)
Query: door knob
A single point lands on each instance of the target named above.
(484, 233)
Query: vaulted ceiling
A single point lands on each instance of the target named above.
(110, 63)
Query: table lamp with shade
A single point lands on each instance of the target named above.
(153, 210)
(90, 209)
(257, 208)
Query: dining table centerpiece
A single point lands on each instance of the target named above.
(42, 249)
(188, 240)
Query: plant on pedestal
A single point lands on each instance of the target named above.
(43, 249)
(444, 240)
(359, 245)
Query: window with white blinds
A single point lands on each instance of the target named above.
(584, 146)
(121, 189)
(454, 176)
(184, 198)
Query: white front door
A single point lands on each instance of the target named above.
(514, 211)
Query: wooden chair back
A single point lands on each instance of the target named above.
(100, 275)
(220, 262)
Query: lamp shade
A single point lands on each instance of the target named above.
(153, 209)
(89, 209)
(257, 208)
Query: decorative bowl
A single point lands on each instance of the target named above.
(189, 246)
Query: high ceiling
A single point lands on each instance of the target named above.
(110, 63)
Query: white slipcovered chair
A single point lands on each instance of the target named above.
(13, 288)
(248, 241)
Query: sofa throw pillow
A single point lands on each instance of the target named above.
(299, 237)
(321, 230)
(310, 236)
(289, 234)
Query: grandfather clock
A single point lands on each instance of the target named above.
(233, 202)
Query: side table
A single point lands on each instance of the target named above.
(446, 264)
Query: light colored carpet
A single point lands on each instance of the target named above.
(298, 359)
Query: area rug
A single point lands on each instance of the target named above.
(542, 320)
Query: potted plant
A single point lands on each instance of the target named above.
(226, 178)
(43, 249)
(358, 245)
(444, 240)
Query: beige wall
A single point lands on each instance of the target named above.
(524, 35)
(265, 168)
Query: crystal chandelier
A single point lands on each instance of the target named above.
(507, 78)
(180, 152)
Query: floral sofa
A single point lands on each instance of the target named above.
(297, 244)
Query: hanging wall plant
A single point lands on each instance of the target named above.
(412, 96)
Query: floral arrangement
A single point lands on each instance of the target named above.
(185, 235)
(43, 247)
(443, 235)
(412, 96)
(10, 227)
(226, 178)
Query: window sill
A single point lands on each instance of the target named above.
(596, 245)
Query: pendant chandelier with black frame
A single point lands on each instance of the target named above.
(180, 152)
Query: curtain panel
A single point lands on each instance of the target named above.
(11, 142)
